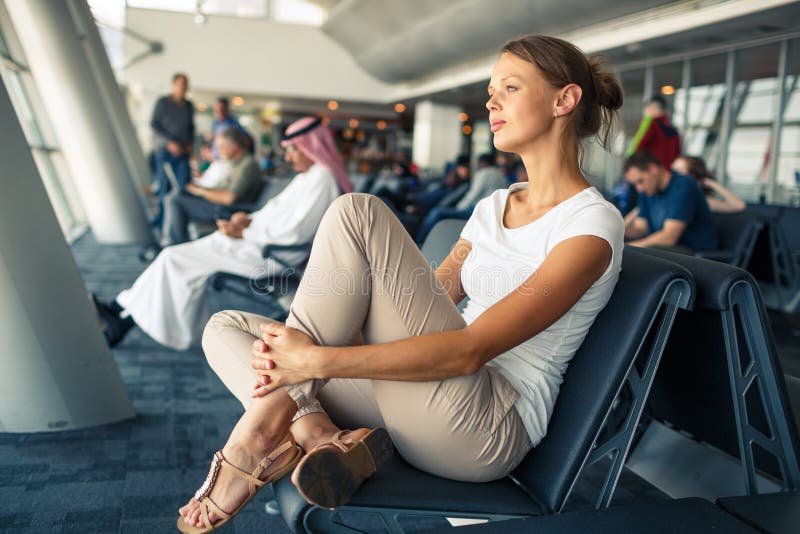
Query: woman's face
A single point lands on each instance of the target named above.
(300, 162)
(521, 103)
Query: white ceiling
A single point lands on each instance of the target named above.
(398, 41)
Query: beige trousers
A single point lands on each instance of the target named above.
(365, 274)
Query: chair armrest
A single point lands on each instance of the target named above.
(269, 251)
(724, 256)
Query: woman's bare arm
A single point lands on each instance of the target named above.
(449, 272)
(728, 201)
(565, 275)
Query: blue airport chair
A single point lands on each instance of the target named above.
(601, 400)
(777, 513)
(268, 289)
(720, 379)
(775, 262)
(687, 516)
(737, 234)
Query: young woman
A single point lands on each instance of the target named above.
(375, 337)
(720, 199)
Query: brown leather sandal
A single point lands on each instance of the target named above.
(332, 472)
(287, 448)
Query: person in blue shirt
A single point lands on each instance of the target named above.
(673, 212)
(222, 121)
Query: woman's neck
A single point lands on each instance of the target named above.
(553, 173)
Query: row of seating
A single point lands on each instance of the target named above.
(718, 379)
(763, 240)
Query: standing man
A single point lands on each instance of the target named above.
(173, 126)
(656, 134)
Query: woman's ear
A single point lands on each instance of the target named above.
(568, 99)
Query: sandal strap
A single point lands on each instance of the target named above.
(207, 503)
(337, 442)
(254, 482)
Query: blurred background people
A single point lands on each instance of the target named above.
(173, 127)
(167, 301)
(720, 199)
(672, 209)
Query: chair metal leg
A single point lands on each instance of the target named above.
(616, 434)
(745, 336)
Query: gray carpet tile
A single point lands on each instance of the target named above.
(130, 476)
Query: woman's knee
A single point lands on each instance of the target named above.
(356, 205)
(217, 326)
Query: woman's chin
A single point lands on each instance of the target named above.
(503, 145)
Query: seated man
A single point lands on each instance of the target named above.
(167, 300)
(673, 212)
(488, 178)
(240, 184)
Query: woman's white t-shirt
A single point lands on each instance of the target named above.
(502, 258)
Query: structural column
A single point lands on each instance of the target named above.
(64, 77)
(113, 98)
(57, 371)
(437, 134)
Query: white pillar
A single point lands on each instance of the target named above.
(74, 103)
(437, 134)
(113, 97)
(57, 371)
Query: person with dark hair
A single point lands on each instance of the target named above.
(720, 199)
(173, 127)
(656, 134)
(487, 179)
(374, 336)
(167, 301)
(673, 212)
(238, 183)
(224, 120)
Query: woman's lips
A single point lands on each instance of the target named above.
(496, 125)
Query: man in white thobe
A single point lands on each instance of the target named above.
(168, 300)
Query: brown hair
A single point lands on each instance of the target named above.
(563, 63)
(697, 168)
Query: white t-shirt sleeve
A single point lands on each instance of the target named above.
(600, 220)
(471, 229)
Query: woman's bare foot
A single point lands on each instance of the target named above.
(260, 430)
(230, 490)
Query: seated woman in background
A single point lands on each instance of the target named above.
(374, 337)
(719, 198)
(167, 301)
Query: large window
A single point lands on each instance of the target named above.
(730, 112)
(706, 106)
(753, 111)
(788, 168)
(40, 137)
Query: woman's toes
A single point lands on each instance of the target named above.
(194, 518)
(187, 508)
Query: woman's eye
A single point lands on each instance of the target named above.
(511, 88)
